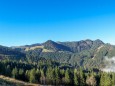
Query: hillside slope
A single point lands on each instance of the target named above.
(78, 53)
(86, 53)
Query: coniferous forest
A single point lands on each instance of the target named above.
(51, 63)
(52, 73)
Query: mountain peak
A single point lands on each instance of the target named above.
(49, 41)
(99, 41)
(51, 45)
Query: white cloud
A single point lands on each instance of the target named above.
(109, 64)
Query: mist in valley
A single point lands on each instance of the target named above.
(109, 64)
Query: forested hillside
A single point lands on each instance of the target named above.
(47, 72)
(76, 63)
(78, 53)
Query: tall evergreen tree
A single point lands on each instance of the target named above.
(81, 78)
(105, 80)
(21, 74)
(113, 79)
(67, 77)
(32, 76)
(57, 78)
(76, 83)
(15, 72)
(38, 75)
(50, 76)
(42, 77)
(108, 80)
(8, 71)
(102, 79)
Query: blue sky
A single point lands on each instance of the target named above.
(32, 21)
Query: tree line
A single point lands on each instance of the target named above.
(50, 73)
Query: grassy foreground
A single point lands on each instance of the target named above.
(6, 81)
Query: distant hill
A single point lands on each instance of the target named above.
(7, 52)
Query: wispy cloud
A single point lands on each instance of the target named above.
(109, 64)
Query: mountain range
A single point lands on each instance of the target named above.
(88, 53)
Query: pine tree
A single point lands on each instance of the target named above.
(105, 80)
(102, 79)
(50, 76)
(108, 80)
(113, 79)
(32, 76)
(75, 78)
(42, 77)
(57, 78)
(27, 75)
(21, 71)
(38, 75)
(15, 73)
(81, 78)
(21, 74)
(67, 77)
(8, 71)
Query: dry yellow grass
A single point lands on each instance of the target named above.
(38, 47)
(46, 50)
(22, 83)
(32, 48)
